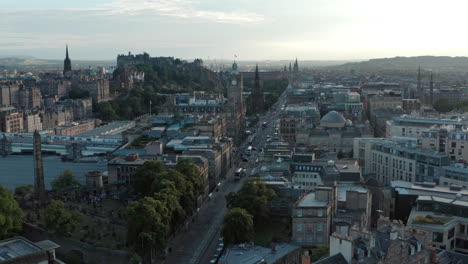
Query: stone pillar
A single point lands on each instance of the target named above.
(39, 186)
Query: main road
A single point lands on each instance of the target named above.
(199, 243)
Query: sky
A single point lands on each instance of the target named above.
(223, 29)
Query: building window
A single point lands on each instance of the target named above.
(299, 227)
(320, 213)
(309, 240)
(462, 229)
(299, 240)
(299, 212)
(320, 227)
(319, 239)
(437, 237)
(451, 233)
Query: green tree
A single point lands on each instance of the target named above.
(61, 220)
(66, 179)
(24, 190)
(340, 154)
(148, 226)
(24, 194)
(77, 93)
(191, 172)
(254, 197)
(238, 226)
(11, 214)
(146, 175)
(319, 252)
(443, 106)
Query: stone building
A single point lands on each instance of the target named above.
(333, 134)
(413, 126)
(445, 219)
(94, 179)
(197, 102)
(58, 116)
(448, 140)
(9, 93)
(30, 97)
(294, 116)
(19, 250)
(311, 219)
(75, 128)
(97, 88)
(212, 126)
(389, 160)
(392, 242)
(11, 120)
(32, 122)
(236, 109)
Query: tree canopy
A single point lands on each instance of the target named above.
(66, 179)
(61, 220)
(10, 214)
(148, 226)
(77, 93)
(238, 226)
(254, 197)
(23, 190)
(169, 196)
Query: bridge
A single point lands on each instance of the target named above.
(11, 143)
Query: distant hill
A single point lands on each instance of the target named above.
(28, 63)
(437, 63)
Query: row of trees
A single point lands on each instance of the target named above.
(248, 207)
(169, 196)
(57, 217)
(443, 106)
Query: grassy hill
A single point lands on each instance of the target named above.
(437, 63)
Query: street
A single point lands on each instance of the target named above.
(199, 244)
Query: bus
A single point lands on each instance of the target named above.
(248, 151)
(238, 174)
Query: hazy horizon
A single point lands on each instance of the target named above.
(322, 30)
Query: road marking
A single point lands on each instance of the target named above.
(210, 234)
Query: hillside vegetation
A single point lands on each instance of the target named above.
(175, 76)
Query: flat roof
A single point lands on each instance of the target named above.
(343, 188)
(17, 247)
(250, 254)
(310, 201)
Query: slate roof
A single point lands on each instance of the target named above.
(335, 259)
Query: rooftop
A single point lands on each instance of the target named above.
(343, 188)
(310, 201)
(250, 254)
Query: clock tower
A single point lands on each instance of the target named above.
(236, 106)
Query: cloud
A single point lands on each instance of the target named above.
(180, 9)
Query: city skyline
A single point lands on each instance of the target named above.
(309, 30)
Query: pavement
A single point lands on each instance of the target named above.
(199, 243)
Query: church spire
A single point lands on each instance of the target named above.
(296, 66)
(66, 62)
